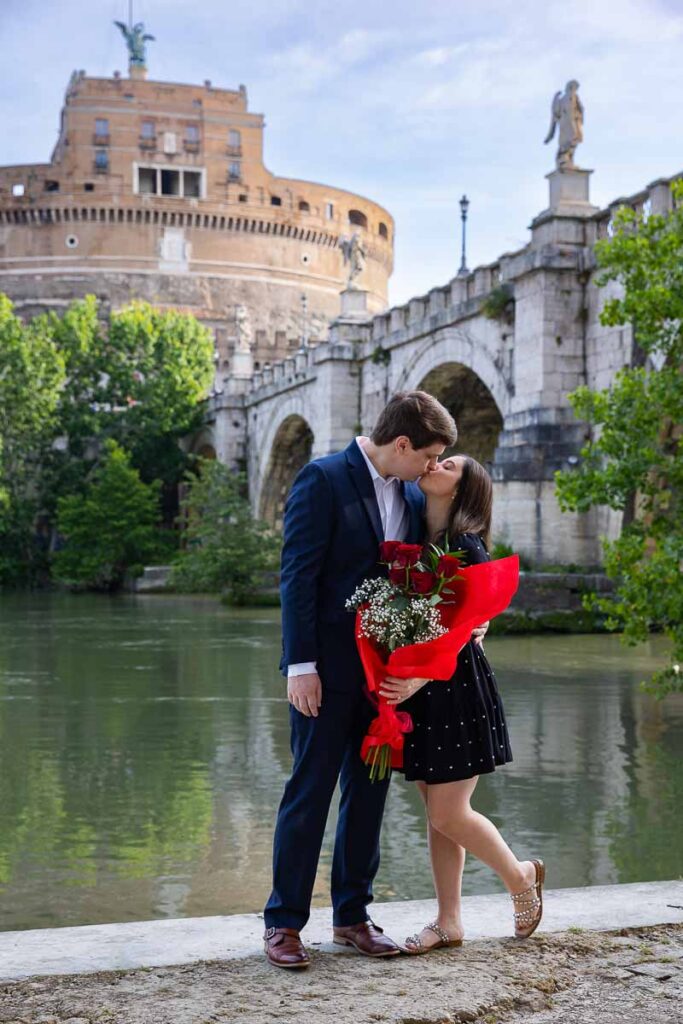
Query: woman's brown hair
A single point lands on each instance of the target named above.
(471, 508)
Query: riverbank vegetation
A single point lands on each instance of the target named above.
(633, 461)
(226, 549)
(94, 482)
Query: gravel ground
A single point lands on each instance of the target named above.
(629, 977)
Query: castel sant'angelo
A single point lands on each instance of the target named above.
(159, 191)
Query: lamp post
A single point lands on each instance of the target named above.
(304, 321)
(464, 206)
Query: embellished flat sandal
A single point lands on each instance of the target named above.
(414, 945)
(529, 917)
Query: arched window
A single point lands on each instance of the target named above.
(356, 217)
(304, 206)
(383, 230)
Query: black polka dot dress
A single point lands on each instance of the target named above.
(459, 724)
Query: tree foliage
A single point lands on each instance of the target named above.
(32, 376)
(227, 549)
(111, 530)
(633, 462)
(140, 381)
(71, 382)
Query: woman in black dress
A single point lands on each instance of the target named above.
(459, 729)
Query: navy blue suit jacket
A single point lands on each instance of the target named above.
(332, 533)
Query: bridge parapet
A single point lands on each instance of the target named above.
(300, 369)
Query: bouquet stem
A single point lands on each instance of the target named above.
(379, 762)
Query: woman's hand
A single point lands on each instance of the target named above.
(397, 690)
(479, 633)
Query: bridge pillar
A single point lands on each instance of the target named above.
(540, 433)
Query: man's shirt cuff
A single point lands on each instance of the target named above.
(302, 669)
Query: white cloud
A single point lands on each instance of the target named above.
(437, 56)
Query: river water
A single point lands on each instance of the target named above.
(144, 745)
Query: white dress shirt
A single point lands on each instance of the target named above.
(394, 514)
(392, 508)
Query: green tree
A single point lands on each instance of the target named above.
(141, 380)
(32, 375)
(110, 530)
(227, 549)
(633, 461)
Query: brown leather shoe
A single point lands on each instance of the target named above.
(368, 938)
(284, 948)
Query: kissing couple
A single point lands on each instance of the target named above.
(389, 486)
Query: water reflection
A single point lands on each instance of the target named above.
(144, 744)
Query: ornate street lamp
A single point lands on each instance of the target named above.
(304, 322)
(464, 206)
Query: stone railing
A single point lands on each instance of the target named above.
(654, 198)
(297, 369)
(460, 298)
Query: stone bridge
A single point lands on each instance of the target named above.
(501, 347)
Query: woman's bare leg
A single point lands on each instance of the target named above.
(450, 813)
(448, 860)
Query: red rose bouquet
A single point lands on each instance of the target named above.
(414, 622)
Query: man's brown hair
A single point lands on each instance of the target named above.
(417, 416)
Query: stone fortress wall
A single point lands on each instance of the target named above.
(158, 191)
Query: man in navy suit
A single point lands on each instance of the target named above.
(339, 510)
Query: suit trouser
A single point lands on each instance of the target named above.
(325, 749)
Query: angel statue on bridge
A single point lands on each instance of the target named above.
(135, 37)
(567, 111)
(353, 252)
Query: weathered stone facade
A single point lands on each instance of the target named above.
(502, 346)
(157, 190)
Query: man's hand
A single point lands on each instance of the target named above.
(397, 690)
(305, 693)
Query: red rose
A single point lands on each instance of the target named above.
(448, 566)
(407, 554)
(422, 582)
(397, 576)
(387, 550)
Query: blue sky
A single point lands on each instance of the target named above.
(411, 104)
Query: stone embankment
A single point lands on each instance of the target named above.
(612, 954)
(630, 977)
(546, 601)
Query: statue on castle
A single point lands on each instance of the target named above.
(135, 37)
(567, 112)
(243, 329)
(354, 254)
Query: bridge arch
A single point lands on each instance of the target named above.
(472, 406)
(203, 444)
(465, 375)
(289, 450)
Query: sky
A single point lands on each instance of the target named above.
(410, 104)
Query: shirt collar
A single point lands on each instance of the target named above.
(373, 470)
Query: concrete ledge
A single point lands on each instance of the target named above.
(82, 950)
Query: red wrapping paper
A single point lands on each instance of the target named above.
(482, 592)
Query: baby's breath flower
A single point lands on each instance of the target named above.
(391, 619)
